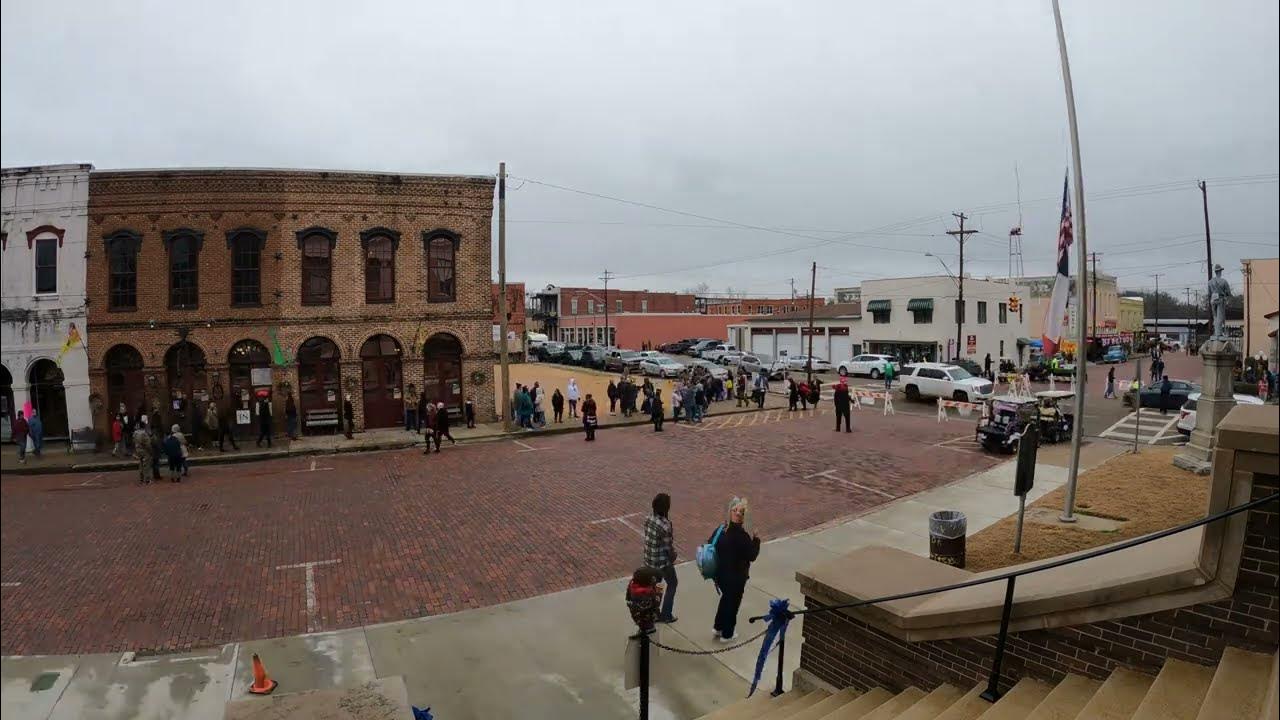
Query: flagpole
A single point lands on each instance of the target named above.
(1082, 308)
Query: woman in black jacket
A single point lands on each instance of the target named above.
(735, 551)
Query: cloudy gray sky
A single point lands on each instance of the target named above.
(857, 127)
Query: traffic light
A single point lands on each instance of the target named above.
(1013, 303)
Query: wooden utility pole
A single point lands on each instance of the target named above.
(606, 278)
(1159, 344)
(1093, 257)
(960, 235)
(504, 392)
(1190, 332)
(1208, 245)
(813, 283)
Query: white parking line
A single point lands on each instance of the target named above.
(313, 468)
(828, 475)
(10, 584)
(622, 519)
(313, 619)
(527, 447)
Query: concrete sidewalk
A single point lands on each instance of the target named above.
(554, 656)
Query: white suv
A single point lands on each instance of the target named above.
(715, 352)
(940, 380)
(872, 365)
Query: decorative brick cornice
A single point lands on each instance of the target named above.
(36, 232)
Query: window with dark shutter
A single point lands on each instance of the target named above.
(246, 266)
(184, 267)
(379, 270)
(441, 281)
(317, 270)
(122, 270)
(46, 266)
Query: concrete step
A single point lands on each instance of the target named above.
(1018, 701)
(832, 702)
(1119, 696)
(895, 705)
(748, 708)
(1177, 693)
(968, 707)
(1067, 698)
(1239, 687)
(802, 702)
(928, 708)
(863, 704)
(1271, 706)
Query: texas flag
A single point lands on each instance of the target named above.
(1055, 320)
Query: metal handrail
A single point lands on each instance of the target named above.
(992, 693)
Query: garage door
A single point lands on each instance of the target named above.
(790, 344)
(762, 344)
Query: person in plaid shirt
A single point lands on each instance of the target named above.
(660, 551)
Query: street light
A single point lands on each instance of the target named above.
(944, 267)
(959, 303)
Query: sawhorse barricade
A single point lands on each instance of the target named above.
(1018, 384)
(962, 408)
(869, 397)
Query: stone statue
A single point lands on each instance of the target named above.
(1219, 295)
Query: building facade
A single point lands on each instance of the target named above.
(1261, 296)
(1130, 312)
(709, 305)
(43, 326)
(915, 319)
(848, 294)
(226, 285)
(836, 335)
(638, 330)
(1104, 306)
(554, 306)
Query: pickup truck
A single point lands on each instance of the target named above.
(715, 352)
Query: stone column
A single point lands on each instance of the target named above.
(1216, 400)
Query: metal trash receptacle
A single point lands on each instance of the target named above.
(946, 537)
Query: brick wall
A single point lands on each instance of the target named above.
(281, 203)
(632, 301)
(515, 308)
(844, 651)
(759, 306)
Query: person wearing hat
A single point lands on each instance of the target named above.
(843, 401)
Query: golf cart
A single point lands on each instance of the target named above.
(1055, 413)
(1006, 416)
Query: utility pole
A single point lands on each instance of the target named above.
(1093, 257)
(1157, 310)
(813, 283)
(960, 235)
(606, 278)
(1208, 245)
(503, 392)
(793, 288)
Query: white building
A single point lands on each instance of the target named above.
(782, 334)
(915, 318)
(43, 242)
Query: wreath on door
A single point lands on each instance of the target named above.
(478, 377)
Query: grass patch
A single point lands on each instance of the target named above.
(1145, 491)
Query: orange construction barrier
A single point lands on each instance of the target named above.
(262, 683)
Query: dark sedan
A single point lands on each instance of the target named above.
(1178, 392)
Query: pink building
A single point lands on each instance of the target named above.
(635, 330)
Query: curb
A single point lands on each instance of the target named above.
(567, 428)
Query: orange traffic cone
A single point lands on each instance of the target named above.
(262, 683)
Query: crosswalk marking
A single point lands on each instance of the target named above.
(1152, 428)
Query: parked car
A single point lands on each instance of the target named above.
(572, 355)
(970, 366)
(661, 366)
(677, 347)
(802, 362)
(760, 361)
(715, 352)
(943, 380)
(550, 351)
(1179, 391)
(618, 360)
(730, 358)
(695, 350)
(872, 365)
(1116, 354)
(593, 356)
(712, 369)
(1187, 415)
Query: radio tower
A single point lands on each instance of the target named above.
(1015, 236)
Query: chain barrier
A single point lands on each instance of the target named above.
(680, 651)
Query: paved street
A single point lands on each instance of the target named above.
(97, 563)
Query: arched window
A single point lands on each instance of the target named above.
(246, 246)
(185, 368)
(380, 264)
(441, 246)
(44, 384)
(184, 267)
(122, 269)
(316, 244)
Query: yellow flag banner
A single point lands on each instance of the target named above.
(73, 339)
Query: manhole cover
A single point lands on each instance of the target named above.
(44, 681)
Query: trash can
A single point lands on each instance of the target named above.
(946, 537)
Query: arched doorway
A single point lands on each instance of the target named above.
(185, 372)
(442, 371)
(319, 385)
(49, 398)
(7, 413)
(126, 387)
(248, 369)
(382, 382)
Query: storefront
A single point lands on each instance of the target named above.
(319, 385)
(442, 371)
(382, 382)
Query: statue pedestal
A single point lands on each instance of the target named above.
(1216, 400)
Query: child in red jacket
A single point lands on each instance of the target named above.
(117, 437)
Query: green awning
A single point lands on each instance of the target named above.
(876, 306)
(920, 305)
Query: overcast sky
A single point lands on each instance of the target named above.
(813, 117)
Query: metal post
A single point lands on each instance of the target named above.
(1077, 429)
(644, 675)
(505, 390)
(813, 284)
(992, 693)
(1017, 539)
(1137, 404)
(782, 648)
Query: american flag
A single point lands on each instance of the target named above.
(1065, 234)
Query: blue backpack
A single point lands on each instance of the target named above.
(706, 555)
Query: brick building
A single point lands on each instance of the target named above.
(549, 306)
(223, 285)
(710, 305)
(515, 308)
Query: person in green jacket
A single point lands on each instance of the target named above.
(888, 375)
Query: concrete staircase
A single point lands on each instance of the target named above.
(1242, 687)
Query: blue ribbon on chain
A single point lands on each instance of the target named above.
(778, 616)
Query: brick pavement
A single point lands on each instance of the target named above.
(114, 566)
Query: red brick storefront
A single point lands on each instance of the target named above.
(217, 285)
